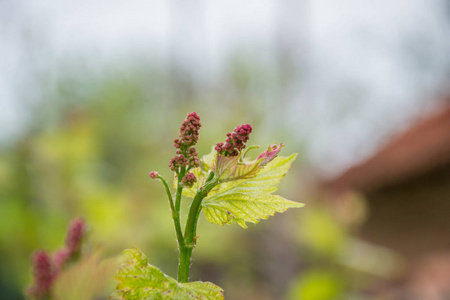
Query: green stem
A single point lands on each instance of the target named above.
(191, 224)
(184, 264)
(179, 191)
(175, 215)
(191, 229)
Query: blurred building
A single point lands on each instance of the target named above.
(407, 187)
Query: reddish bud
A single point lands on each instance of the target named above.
(75, 234)
(235, 141)
(60, 257)
(178, 161)
(42, 273)
(188, 131)
(188, 180)
(186, 154)
(153, 175)
(268, 155)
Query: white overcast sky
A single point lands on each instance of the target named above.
(394, 55)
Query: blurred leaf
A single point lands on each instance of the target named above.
(318, 285)
(320, 232)
(140, 280)
(86, 279)
(249, 200)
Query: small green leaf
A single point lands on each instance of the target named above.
(139, 280)
(250, 199)
(233, 168)
(224, 165)
(208, 160)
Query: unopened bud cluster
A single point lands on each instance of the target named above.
(186, 157)
(46, 267)
(43, 274)
(188, 132)
(188, 180)
(181, 161)
(75, 235)
(235, 141)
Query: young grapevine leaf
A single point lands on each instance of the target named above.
(208, 160)
(250, 199)
(231, 169)
(138, 280)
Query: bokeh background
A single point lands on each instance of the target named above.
(92, 94)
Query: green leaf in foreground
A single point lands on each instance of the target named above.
(250, 199)
(138, 280)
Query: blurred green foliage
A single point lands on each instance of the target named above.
(87, 150)
(318, 285)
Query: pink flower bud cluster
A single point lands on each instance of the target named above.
(177, 162)
(186, 154)
(46, 267)
(188, 131)
(235, 141)
(188, 180)
(43, 273)
(60, 257)
(75, 235)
